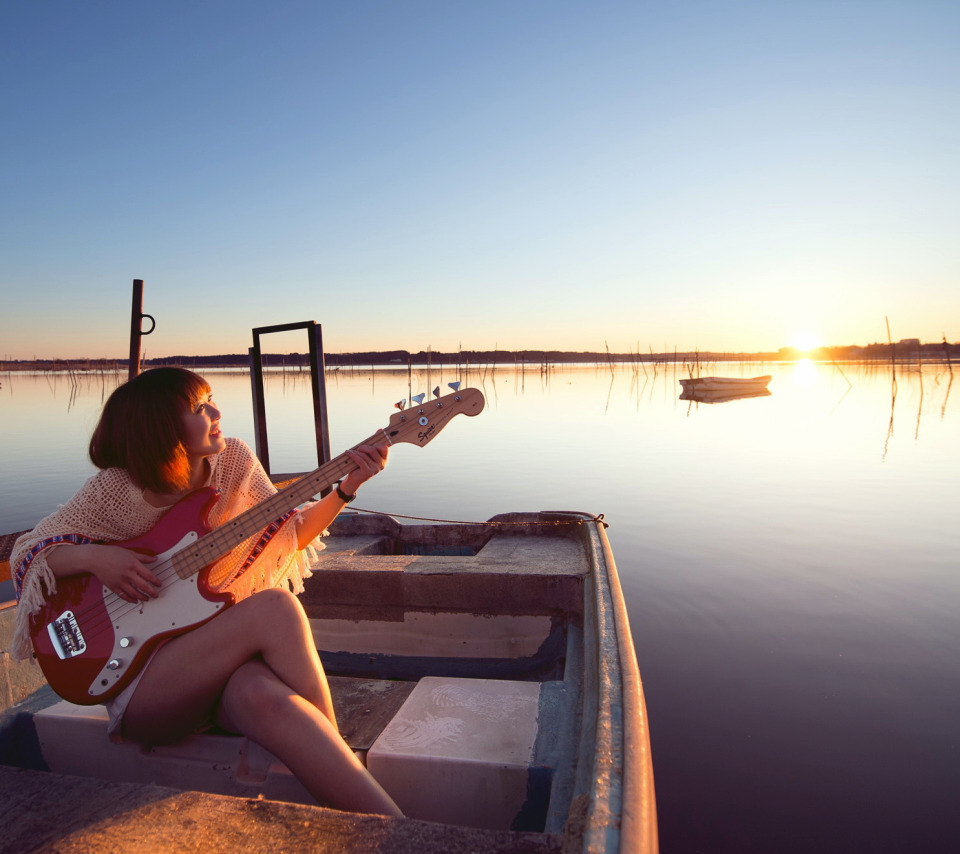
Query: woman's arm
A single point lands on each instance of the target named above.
(316, 518)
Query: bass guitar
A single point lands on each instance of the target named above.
(90, 643)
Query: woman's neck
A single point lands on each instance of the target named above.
(199, 474)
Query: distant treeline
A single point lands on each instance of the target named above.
(395, 358)
(903, 351)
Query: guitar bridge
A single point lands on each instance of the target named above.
(65, 635)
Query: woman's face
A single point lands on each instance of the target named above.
(201, 428)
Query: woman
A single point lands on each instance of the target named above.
(253, 669)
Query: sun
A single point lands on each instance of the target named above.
(806, 341)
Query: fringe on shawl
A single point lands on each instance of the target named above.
(300, 568)
(36, 583)
(299, 565)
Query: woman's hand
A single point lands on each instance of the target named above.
(126, 573)
(370, 460)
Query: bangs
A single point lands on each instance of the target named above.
(196, 390)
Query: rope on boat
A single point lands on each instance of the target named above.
(555, 523)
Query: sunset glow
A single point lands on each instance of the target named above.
(388, 175)
(806, 341)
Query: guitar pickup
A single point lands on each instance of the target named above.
(65, 635)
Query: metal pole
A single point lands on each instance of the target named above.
(133, 366)
(136, 331)
(319, 386)
(259, 402)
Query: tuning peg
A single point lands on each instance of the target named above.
(418, 398)
(436, 392)
(400, 404)
(454, 386)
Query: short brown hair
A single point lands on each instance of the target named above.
(141, 428)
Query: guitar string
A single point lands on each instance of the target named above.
(218, 541)
(167, 571)
(116, 608)
(221, 539)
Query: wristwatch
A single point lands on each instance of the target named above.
(343, 496)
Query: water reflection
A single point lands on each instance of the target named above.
(804, 373)
(719, 396)
(643, 384)
(789, 561)
(946, 396)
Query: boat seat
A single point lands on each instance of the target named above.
(463, 751)
(73, 740)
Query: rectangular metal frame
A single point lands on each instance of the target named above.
(318, 386)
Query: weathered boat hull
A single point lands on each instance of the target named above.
(728, 384)
(518, 621)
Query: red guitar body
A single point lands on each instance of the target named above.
(91, 644)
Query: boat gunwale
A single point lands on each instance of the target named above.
(621, 815)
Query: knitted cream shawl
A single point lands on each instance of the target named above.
(109, 507)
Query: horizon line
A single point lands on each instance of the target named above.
(540, 354)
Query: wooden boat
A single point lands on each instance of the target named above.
(484, 672)
(731, 385)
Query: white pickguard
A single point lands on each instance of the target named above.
(179, 605)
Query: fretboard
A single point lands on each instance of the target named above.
(231, 533)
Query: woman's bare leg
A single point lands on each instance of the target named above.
(257, 654)
(181, 688)
(256, 703)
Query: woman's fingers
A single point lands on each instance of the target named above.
(128, 575)
(370, 458)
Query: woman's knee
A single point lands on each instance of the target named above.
(275, 602)
(271, 615)
(255, 692)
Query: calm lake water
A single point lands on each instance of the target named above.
(789, 562)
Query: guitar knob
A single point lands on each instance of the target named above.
(113, 664)
(124, 642)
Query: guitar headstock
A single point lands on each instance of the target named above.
(420, 423)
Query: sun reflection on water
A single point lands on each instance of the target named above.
(804, 373)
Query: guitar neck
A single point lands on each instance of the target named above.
(231, 533)
(417, 425)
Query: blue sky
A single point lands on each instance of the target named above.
(716, 175)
